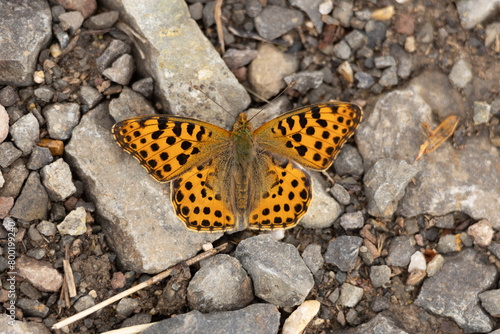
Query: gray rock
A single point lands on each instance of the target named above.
(34, 235)
(275, 21)
(324, 210)
(89, 96)
(40, 157)
(494, 248)
(352, 220)
(18, 54)
(156, 238)
(404, 60)
(437, 184)
(126, 306)
(33, 201)
(365, 80)
(36, 253)
(8, 154)
(208, 14)
(61, 119)
(200, 65)
(311, 8)
(426, 33)
(342, 50)
(375, 31)
(57, 179)
(121, 71)
(379, 304)
(385, 185)
(130, 104)
(114, 50)
(220, 285)
(343, 252)
(254, 319)
(349, 162)
(389, 77)
(490, 301)
(384, 61)
(400, 251)
(267, 70)
(447, 244)
(312, 257)
(196, 11)
(32, 308)
(101, 21)
(380, 275)
(343, 12)
(8, 96)
(137, 319)
(473, 12)
(61, 35)
(25, 133)
(144, 86)
(30, 291)
(458, 283)
(83, 303)
(74, 223)
(340, 194)
(14, 179)
(71, 21)
(279, 274)
(381, 323)
(44, 93)
(46, 228)
(446, 221)
(350, 295)
(334, 296)
(304, 81)
(481, 112)
(356, 39)
(461, 74)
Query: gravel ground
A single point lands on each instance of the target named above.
(390, 244)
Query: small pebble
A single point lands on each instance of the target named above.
(481, 232)
(383, 14)
(301, 317)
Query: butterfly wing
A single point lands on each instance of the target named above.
(198, 200)
(311, 135)
(286, 198)
(168, 146)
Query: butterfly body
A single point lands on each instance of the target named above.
(225, 180)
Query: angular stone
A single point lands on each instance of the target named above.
(279, 274)
(25, 133)
(57, 179)
(8, 154)
(61, 119)
(458, 283)
(175, 75)
(41, 274)
(275, 21)
(18, 54)
(14, 179)
(33, 202)
(130, 104)
(74, 223)
(220, 285)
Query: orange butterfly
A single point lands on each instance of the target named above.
(225, 180)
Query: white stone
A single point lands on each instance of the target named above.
(417, 261)
(300, 318)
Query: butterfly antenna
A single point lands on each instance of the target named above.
(208, 97)
(267, 105)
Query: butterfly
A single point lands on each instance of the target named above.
(232, 180)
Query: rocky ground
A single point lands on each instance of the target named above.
(389, 245)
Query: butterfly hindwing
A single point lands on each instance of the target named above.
(311, 135)
(287, 198)
(197, 199)
(167, 146)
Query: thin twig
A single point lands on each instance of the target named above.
(151, 281)
(218, 24)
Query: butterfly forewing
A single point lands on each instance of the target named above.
(168, 146)
(311, 135)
